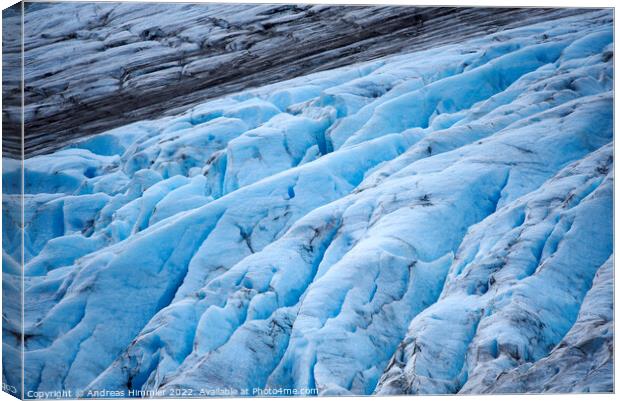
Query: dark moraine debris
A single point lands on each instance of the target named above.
(90, 67)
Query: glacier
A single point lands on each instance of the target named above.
(432, 222)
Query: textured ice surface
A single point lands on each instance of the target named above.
(433, 222)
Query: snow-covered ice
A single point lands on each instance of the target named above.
(431, 222)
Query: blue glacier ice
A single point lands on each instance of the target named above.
(431, 222)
